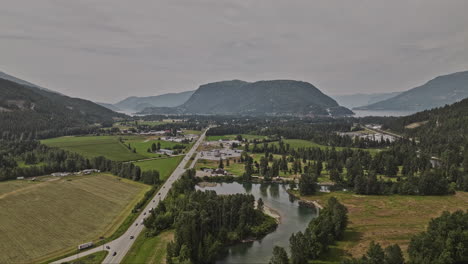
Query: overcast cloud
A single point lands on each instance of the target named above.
(106, 50)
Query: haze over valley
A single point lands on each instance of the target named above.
(227, 132)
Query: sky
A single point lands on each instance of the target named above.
(107, 50)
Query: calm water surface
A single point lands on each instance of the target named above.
(294, 218)
(363, 113)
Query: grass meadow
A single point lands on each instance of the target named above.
(165, 166)
(149, 250)
(50, 217)
(386, 219)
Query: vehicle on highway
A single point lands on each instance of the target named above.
(115, 253)
(136, 224)
(132, 237)
(107, 247)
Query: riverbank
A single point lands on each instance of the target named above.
(310, 203)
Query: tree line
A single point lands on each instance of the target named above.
(42, 160)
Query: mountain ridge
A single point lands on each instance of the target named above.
(437, 92)
(271, 97)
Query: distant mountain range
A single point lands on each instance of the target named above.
(277, 97)
(25, 106)
(135, 104)
(360, 99)
(446, 89)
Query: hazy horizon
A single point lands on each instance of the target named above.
(108, 50)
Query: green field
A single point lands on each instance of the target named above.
(149, 250)
(165, 166)
(386, 219)
(50, 217)
(93, 146)
(95, 258)
(110, 147)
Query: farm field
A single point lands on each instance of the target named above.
(386, 219)
(64, 212)
(93, 146)
(149, 250)
(110, 147)
(165, 166)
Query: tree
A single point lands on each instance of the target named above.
(279, 256)
(393, 255)
(153, 147)
(298, 246)
(227, 162)
(375, 254)
(221, 164)
(307, 184)
(260, 204)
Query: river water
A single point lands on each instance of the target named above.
(294, 218)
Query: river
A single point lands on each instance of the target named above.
(294, 218)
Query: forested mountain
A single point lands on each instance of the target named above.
(446, 89)
(136, 104)
(360, 99)
(38, 112)
(277, 97)
(438, 130)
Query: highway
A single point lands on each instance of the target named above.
(122, 245)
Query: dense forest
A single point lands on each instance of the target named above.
(444, 241)
(31, 112)
(437, 130)
(205, 222)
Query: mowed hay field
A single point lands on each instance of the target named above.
(94, 146)
(386, 219)
(48, 218)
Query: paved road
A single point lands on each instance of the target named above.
(123, 244)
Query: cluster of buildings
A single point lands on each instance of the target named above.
(83, 172)
(207, 172)
(217, 154)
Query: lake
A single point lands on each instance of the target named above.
(294, 218)
(364, 113)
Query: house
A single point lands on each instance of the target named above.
(20, 178)
(89, 171)
(166, 151)
(60, 174)
(219, 172)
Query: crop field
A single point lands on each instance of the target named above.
(93, 146)
(149, 250)
(165, 166)
(110, 147)
(50, 217)
(386, 219)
